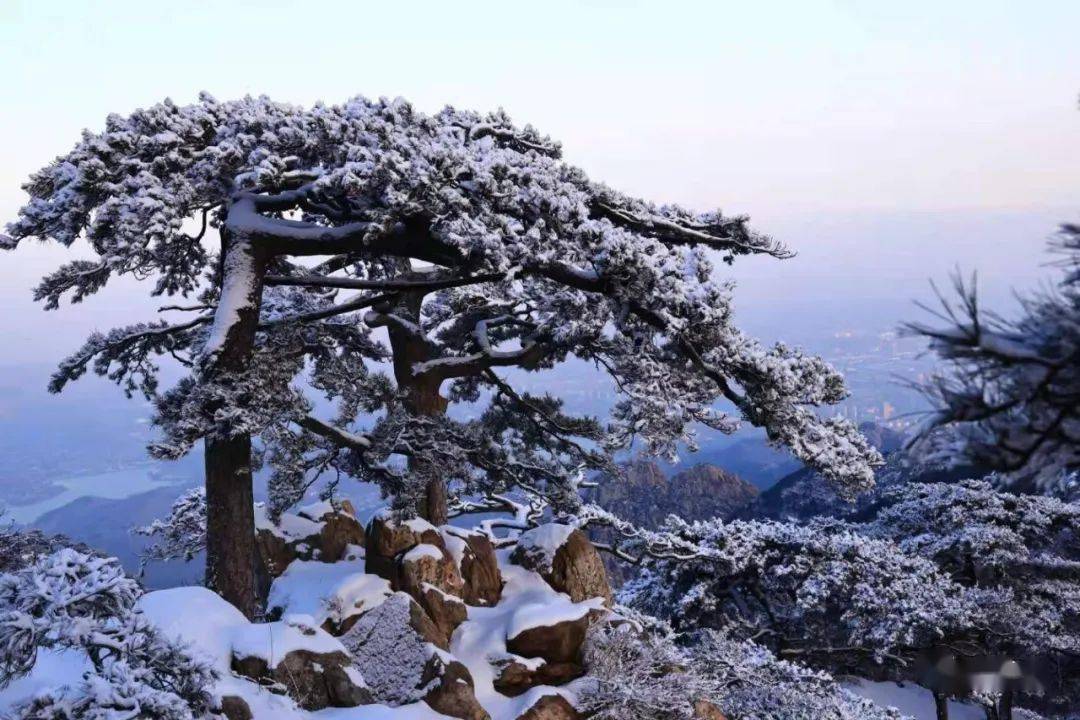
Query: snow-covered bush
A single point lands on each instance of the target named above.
(1023, 548)
(821, 593)
(20, 547)
(647, 676)
(69, 600)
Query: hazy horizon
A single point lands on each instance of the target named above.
(887, 145)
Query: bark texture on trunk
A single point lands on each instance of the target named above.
(941, 707)
(230, 520)
(422, 397)
(230, 524)
(1006, 706)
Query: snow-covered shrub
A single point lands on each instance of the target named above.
(20, 547)
(648, 676)
(821, 593)
(1023, 548)
(69, 600)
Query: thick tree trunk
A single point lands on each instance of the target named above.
(941, 706)
(1006, 706)
(422, 398)
(230, 524)
(230, 520)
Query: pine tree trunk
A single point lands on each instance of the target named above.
(230, 523)
(230, 520)
(941, 706)
(1006, 706)
(421, 398)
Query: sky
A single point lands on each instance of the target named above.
(887, 142)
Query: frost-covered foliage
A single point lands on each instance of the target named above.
(468, 239)
(1009, 398)
(648, 676)
(820, 592)
(69, 600)
(182, 534)
(20, 547)
(1023, 548)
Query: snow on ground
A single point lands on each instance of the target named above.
(53, 667)
(911, 700)
(290, 526)
(212, 628)
(333, 591)
(482, 637)
(307, 592)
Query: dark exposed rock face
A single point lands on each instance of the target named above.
(331, 532)
(560, 642)
(387, 539)
(647, 496)
(451, 690)
(575, 567)
(551, 707)
(234, 707)
(700, 492)
(314, 680)
(515, 678)
(480, 571)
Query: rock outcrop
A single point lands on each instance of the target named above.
(705, 710)
(551, 707)
(234, 707)
(517, 675)
(566, 559)
(645, 495)
(477, 564)
(315, 532)
(386, 540)
(451, 690)
(303, 661)
(559, 642)
(402, 653)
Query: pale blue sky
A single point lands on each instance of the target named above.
(885, 141)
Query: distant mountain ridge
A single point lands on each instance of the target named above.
(804, 494)
(646, 495)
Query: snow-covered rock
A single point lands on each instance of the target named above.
(429, 574)
(476, 561)
(565, 558)
(551, 631)
(309, 664)
(315, 532)
(550, 707)
(386, 539)
(335, 594)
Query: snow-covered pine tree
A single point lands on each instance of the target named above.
(819, 593)
(476, 248)
(1025, 549)
(1009, 396)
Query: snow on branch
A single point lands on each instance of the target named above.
(72, 601)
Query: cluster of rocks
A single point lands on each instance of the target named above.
(397, 650)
